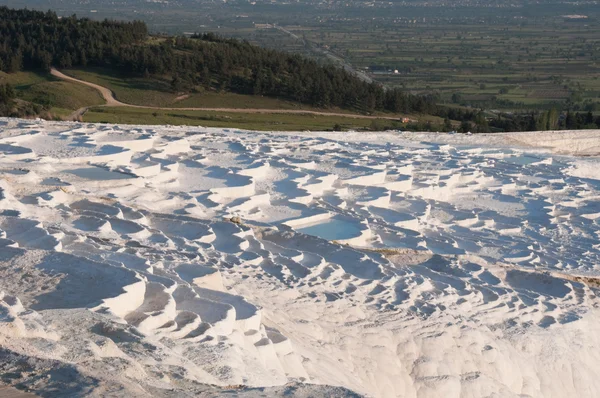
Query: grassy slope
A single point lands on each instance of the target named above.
(63, 97)
(157, 92)
(42, 88)
(250, 121)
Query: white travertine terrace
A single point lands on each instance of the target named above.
(169, 261)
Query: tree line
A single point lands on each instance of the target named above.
(37, 40)
(547, 120)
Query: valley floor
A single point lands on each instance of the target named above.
(187, 261)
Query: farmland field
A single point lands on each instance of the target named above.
(483, 64)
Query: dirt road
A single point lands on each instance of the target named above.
(110, 99)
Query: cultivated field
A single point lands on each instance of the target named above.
(491, 63)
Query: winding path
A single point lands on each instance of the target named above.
(110, 99)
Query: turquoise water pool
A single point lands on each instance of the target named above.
(332, 229)
(97, 173)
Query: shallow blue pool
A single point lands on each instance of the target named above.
(332, 229)
(97, 173)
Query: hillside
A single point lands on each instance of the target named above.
(31, 40)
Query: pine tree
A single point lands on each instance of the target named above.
(552, 119)
(569, 121)
(447, 124)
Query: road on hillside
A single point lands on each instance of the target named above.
(110, 99)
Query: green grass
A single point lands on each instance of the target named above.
(136, 91)
(232, 100)
(59, 96)
(249, 121)
(156, 91)
(24, 80)
(62, 94)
